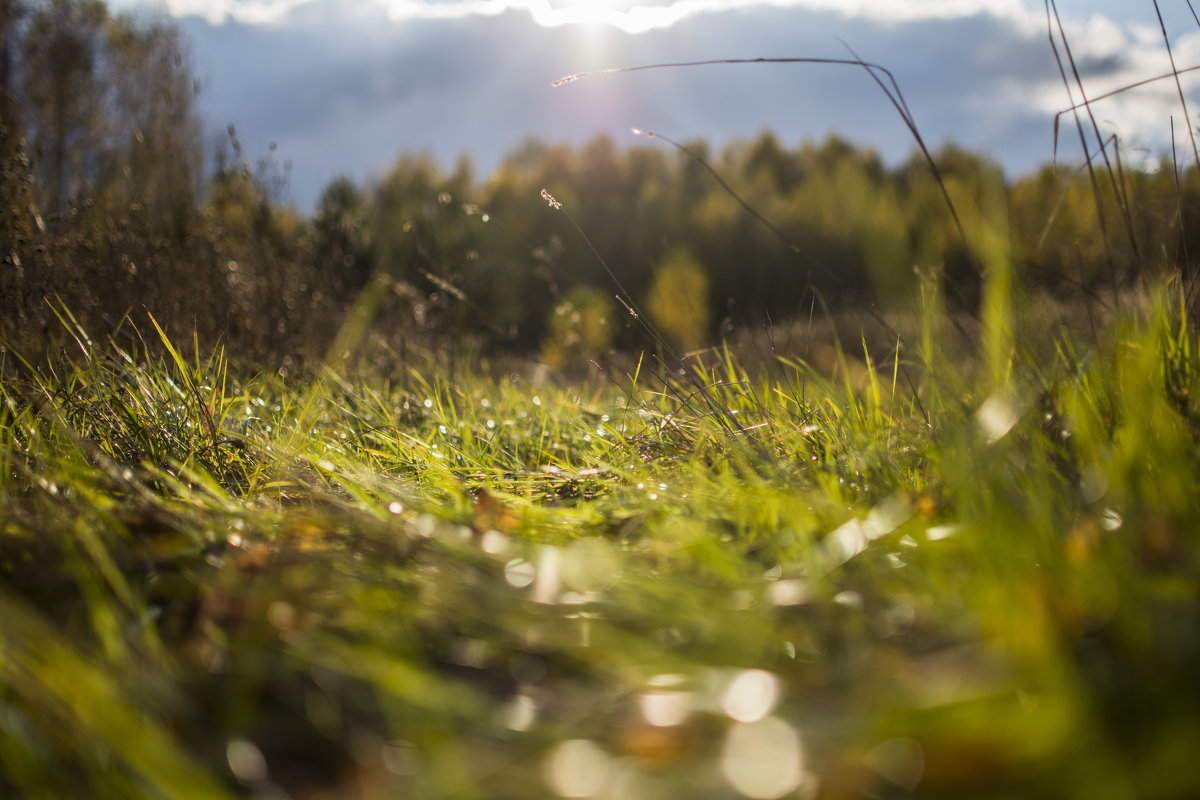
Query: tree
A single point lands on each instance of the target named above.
(106, 104)
(344, 246)
(11, 14)
(63, 98)
(678, 302)
(16, 200)
(101, 169)
(154, 153)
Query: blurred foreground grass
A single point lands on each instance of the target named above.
(433, 585)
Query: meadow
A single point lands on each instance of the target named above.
(351, 535)
(436, 583)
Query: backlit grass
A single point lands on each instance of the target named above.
(435, 584)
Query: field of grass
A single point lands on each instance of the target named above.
(434, 584)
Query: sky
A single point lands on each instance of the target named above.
(343, 87)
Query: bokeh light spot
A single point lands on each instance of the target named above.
(519, 573)
(751, 695)
(246, 761)
(764, 759)
(577, 768)
(665, 704)
(792, 592)
(519, 713)
(494, 542)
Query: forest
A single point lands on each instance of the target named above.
(112, 205)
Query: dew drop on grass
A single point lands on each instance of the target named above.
(394, 507)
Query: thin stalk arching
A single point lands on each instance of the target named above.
(1054, 20)
(812, 263)
(893, 93)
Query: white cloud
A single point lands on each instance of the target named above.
(637, 16)
(632, 16)
(643, 15)
(351, 83)
(250, 12)
(1116, 58)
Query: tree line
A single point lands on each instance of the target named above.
(105, 208)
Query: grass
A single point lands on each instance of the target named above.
(437, 584)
